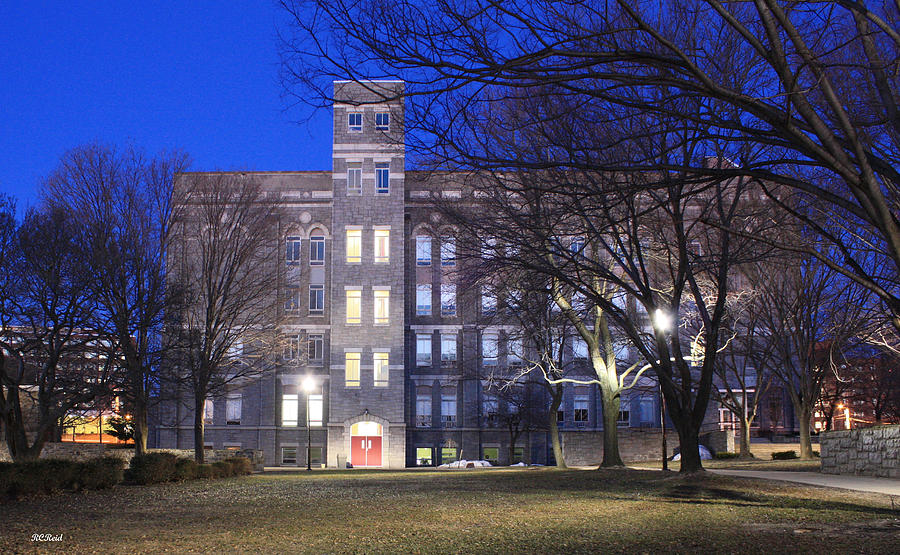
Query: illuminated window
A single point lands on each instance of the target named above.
(354, 178)
(423, 299)
(448, 455)
(290, 409)
(292, 251)
(381, 369)
(382, 121)
(354, 246)
(382, 178)
(424, 456)
(382, 306)
(354, 121)
(491, 455)
(351, 369)
(448, 251)
(233, 409)
(354, 306)
(448, 299)
(423, 250)
(317, 250)
(382, 246)
(315, 409)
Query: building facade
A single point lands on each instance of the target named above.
(396, 349)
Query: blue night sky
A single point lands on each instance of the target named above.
(197, 76)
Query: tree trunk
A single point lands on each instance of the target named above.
(803, 415)
(689, 439)
(745, 438)
(199, 403)
(554, 427)
(611, 403)
(140, 428)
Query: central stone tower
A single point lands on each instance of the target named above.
(366, 421)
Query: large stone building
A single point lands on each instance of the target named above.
(398, 351)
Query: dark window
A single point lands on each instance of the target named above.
(316, 299)
(316, 251)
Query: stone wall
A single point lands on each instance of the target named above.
(863, 451)
(85, 451)
(635, 444)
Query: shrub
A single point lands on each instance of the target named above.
(102, 472)
(152, 468)
(52, 475)
(726, 455)
(185, 469)
(7, 477)
(221, 469)
(241, 466)
(205, 471)
(784, 455)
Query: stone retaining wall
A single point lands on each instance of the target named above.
(862, 451)
(85, 451)
(635, 444)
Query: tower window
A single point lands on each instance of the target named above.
(354, 121)
(383, 121)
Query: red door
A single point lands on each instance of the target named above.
(358, 446)
(373, 455)
(365, 450)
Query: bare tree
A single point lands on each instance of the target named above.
(812, 314)
(53, 361)
(537, 343)
(122, 200)
(813, 107)
(741, 369)
(225, 333)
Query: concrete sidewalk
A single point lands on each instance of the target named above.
(887, 486)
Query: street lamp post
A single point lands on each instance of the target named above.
(308, 385)
(662, 321)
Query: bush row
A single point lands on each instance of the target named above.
(154, 468)
(52, 475)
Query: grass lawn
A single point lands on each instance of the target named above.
(424, 511)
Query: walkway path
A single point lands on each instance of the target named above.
(887, 486)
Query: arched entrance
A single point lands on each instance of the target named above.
(365, 444)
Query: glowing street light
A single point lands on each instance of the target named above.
(662, 320)
(309, 384)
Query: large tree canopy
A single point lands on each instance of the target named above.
(797, 94)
